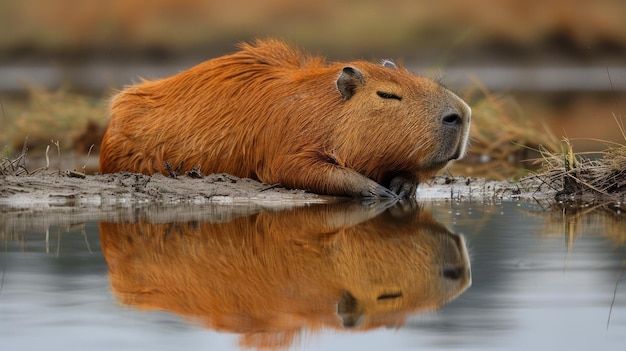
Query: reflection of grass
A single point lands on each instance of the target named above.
(578, 221)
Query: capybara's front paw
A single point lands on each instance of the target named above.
(403, 187)
(379, 191)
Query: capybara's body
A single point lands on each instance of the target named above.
(273, 275)
(272, 113)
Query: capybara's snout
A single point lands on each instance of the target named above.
(454, 129)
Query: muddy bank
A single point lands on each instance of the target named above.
(104, 191)
(43, 201)
(128, 189)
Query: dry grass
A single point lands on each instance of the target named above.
(503, 139)
(586, 178)
(17, 166)
(74, 121)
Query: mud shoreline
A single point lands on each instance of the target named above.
(45, 201)
(58, 200)
(107, 191)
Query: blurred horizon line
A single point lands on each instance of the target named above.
(99, 77)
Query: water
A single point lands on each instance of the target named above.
(319, 277)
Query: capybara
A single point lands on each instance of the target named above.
(273, 275)
(272, 113)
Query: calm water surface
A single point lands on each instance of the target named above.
(326, 277)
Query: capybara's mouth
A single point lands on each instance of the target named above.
(457, 154)
(437, 163)
(461, 149)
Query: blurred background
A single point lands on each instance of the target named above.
(533, 71)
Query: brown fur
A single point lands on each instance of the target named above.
(272, 275)
(272, 113)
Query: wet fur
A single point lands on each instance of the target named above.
(272, 113)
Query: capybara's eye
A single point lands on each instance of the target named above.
(384, 95)
(389, 296)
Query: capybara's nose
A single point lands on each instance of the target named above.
(453, 273)
(453, 119)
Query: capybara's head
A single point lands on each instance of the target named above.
(401, 122)
(273, 275)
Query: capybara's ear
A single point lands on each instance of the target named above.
(349, 311)
(389, 64)
(348, 81)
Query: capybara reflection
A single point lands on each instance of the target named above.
(273, 275)
(272, 113)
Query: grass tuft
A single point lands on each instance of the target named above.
(73, 120)
(585, 178)
(504, 140)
